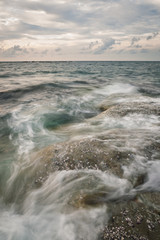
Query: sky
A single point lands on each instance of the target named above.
(68, 30)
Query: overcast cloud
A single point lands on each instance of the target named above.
(79, 30)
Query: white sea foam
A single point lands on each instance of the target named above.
(62, 186)
(131, 121)
(57, 210)
(102, 123)
(28, 129)
(81, 224)
(152, 181)
(52, 212)
(116, 88)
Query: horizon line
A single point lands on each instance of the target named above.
(2, 61)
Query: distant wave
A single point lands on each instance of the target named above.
(83, 72)
(17, 93)
(26, 73)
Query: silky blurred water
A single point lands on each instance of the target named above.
(43, 103)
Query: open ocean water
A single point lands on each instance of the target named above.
(74, 138)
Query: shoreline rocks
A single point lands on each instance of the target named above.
(122, 109)
(133, 220)
(111, 151)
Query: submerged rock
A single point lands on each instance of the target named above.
(114, 151)
(87, 153)
(121, 152)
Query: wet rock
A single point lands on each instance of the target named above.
(151, 199)
(117, 98)
(123, 109)
(133, 220)
(87, 153)
(109, 151)
(140, 179)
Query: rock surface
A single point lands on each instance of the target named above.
(133, 220)
(123, 109)
(113, 151)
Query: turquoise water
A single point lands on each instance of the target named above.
(44, 103)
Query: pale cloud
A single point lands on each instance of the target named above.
(97, 29)
(44, 52)
(106, 44)
(58, 49)
(93, 45)
(13, 51)
(152, 36)
(134, 40)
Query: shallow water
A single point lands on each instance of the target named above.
(44, 103)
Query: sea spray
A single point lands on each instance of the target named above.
(64, 170)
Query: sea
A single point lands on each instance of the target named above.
(48, 104)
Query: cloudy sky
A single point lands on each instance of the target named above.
(79, 30)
